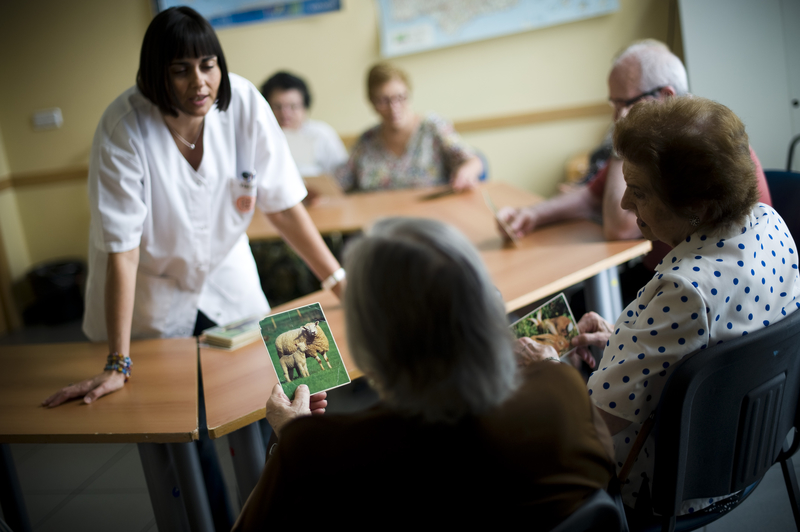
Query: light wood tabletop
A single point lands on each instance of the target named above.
(354, 212)
(237, 384)
(158, 404)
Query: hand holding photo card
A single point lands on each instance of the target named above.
(303, 351)
(551, 324)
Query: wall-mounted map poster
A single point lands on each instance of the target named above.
(222, 13)
(409, 26)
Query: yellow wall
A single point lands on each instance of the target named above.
(12, 236)
(76, 55)
(4, 168)
(80, 55)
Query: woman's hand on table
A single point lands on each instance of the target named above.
(91, 389)
(466, 176)
(520, 221)
(280, 410)
(529, 351)
(594, 331)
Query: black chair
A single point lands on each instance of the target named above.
(784, 187)
(722, 421)
(599, 512)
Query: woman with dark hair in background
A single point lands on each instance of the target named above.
(315, 146)
(177, 166)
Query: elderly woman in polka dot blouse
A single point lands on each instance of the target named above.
(733, 269)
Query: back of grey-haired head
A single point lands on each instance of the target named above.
(425, 321)
(659, 66)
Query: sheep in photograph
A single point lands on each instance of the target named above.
(319, 347)
(295, 361)
(285, 344)
(291, 346)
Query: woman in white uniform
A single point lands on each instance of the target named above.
(178, 164)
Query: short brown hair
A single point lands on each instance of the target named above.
(695, 152)
(384, 73)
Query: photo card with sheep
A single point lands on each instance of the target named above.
(303, 351)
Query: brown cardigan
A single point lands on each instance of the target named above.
(537, 456)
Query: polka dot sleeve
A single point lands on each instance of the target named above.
(666, 322)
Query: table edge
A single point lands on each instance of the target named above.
(167, 437)
(581, 275)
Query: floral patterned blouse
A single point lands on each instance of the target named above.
(433, 152)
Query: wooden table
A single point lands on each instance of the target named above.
(547, 261)
(158, 406)
(237, 384)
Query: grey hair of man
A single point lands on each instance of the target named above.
(659, 66)
(424, 321)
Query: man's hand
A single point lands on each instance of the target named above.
(528, 352)
(91, 389)
(520, 221)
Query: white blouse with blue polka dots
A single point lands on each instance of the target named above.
(708, 289)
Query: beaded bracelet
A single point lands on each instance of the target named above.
(117, 362)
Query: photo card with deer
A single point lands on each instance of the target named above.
(551, 324)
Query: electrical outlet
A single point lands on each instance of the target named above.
(47, 119)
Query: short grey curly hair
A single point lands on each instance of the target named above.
(660, 67)
(425, 322)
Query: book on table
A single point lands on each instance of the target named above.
(233, 335)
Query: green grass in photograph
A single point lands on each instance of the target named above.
(318, 379)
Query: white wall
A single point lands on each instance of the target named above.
(736, 53)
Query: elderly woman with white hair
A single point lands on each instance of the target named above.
(460, 431)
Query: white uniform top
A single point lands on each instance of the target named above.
(708, 289)
(316, 147)
(189, 225)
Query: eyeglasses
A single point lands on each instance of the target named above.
(614, 102)
(388, 101)
(286, 106)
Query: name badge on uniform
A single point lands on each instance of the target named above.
(244, 192)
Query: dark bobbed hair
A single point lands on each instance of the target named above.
(176, 33)
(284, 81)
(425, 322)
(695, 152)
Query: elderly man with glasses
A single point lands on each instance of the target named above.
(645, 70)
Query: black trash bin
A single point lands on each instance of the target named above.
(57, 289)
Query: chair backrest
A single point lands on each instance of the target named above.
(790, 157)
(784, 188)
(724, 414)
(599, 512)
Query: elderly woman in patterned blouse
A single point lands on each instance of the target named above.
(406, 150)
(733, 270)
